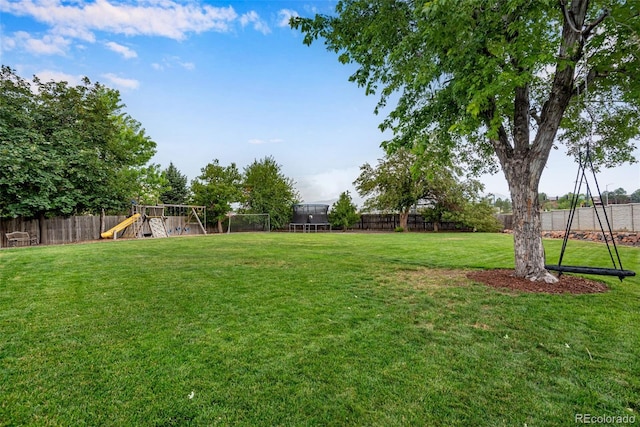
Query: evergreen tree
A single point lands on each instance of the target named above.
(177, 192)
(343, 213)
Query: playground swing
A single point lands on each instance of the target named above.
(617, 270)
(583, 163)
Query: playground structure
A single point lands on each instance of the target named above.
(112, 233)
(159, 221)
(310, 216)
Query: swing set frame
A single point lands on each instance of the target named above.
(583, 162)
(607, 233)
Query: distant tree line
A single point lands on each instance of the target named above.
(547, 203)
(260, 188)
(615, 197)
(72, 150)
(68, 150)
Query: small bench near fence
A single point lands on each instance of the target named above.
(21, 238)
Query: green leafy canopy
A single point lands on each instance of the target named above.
(268, 190)
(480, 80)
(455, 70)
(217, 188)
(68, 149)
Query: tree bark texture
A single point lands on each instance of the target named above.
(44, 238)
(404, 220)
(527, 238)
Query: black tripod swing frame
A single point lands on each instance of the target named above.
(617, 270)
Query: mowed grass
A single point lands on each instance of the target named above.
(308, 329)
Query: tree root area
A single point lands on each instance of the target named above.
(567, 284)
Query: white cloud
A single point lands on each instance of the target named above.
(171, 62)
(47, 45)
(121, 81)
(166, 18)
(311, 9)
(285, 15)
(76, 33)
(7, 43)
(326, 187)
(57, 76)
(126, 52)
(249, 17)
(254, 18)
(257, 141)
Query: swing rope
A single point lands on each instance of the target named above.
(606, 217)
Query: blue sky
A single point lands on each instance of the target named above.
(227, 80)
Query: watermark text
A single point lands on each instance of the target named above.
(604, 419)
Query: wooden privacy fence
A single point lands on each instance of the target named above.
(18, 224)
(621, 218)
(415, 222)
(75, 229)
(506, 220)
(58, 231)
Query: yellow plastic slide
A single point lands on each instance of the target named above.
(124, 224)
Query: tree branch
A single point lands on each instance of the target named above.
(521, 119)
(562, 89)
(533, 113)
(592, 76)
(501, 145)
(592, 25)
(568, 16)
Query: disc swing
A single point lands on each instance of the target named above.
(617, 270)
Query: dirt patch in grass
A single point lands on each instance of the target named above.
(505, 279)
(421, 279)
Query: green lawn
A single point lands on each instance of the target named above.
(308, 329)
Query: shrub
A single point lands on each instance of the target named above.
(480, 216)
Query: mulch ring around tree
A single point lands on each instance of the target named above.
(568, 284)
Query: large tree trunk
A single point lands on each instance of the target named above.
(527, 237)
(42, 230)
